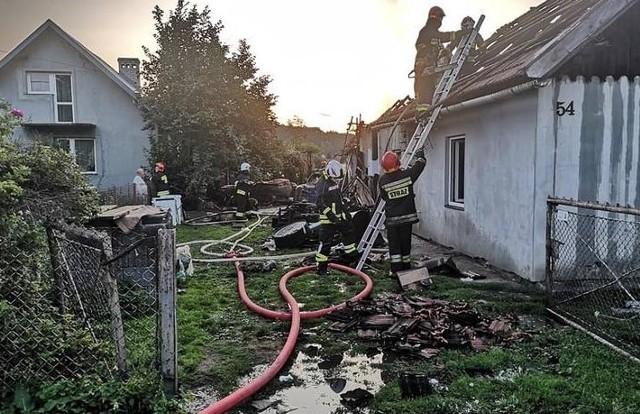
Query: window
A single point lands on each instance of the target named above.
(374, 145)
(58, 85)
(83, 150)
(455, 176)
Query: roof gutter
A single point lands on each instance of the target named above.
(494, 97)
(472, 103)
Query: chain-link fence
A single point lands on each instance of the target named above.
(87, 302)
(593, 269)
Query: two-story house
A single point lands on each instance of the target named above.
(71, 96)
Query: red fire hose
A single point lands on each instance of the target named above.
(295, 315)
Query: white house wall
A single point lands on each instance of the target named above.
(521, 150)
(120, 141)
(497, 220)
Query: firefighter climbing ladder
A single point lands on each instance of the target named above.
(421, 135)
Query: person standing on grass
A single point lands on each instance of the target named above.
(333, 217)
(140, 188)
(160, 180)
(243, 192)
(396, 189)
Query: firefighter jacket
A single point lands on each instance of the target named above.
(329, 201)
(397, 191)
(243, 190)
(430, 41)
(160, 184)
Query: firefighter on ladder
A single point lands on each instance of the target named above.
(428, 46)
(333, 218)
(396, 189)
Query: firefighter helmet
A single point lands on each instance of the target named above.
(390, 161)
(436, 12)
(160, 166)
(245, 166)
(467, 23)
(334, 169)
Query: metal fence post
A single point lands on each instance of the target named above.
(167, 303)
(549, 252)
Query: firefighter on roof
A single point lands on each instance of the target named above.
(428, 46)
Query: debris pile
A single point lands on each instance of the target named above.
(422, 326)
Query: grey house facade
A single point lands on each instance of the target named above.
(71, 96)
(552, 108)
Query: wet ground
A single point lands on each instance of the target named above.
(319, 384)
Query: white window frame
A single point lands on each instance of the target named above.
(30, 91)
(72, 150)
(455, 163)
(53, 91)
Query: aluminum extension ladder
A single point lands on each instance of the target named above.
(420, 135)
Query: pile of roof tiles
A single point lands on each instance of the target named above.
(422, 326)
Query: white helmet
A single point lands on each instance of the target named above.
(245, 166)
(334, 169)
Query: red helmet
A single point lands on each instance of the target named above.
(390, 161)
(160, 166)
(436, 12)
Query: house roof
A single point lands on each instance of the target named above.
(533, 46)
(49, 25)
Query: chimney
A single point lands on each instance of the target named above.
(129, 68)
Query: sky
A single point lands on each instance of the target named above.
(330, 61)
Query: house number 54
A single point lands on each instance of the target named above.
(564, 108)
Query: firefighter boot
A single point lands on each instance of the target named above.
(322, 268)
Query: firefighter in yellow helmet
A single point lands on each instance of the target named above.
(396, 189)
(428, 45)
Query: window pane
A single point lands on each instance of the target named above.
(460, 194)
(65, 113)
(39, 82)
(65, 144)
(85, 155)
(63, 88)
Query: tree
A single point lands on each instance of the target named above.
(206, 108)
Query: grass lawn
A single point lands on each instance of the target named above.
(558, 370)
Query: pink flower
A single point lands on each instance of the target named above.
(17, 113)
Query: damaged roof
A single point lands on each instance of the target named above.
(533, 46)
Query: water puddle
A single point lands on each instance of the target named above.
(317, 384)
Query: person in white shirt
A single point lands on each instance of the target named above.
(140, 186)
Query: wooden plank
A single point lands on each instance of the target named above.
(117, 323)
(410, 279)
(167, 304)
(118, 212)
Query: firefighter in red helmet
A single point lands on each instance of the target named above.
(428, 46)
(159, 180)
(396, 189)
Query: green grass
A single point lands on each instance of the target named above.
(558, 370)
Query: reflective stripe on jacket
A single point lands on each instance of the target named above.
(396, 188)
